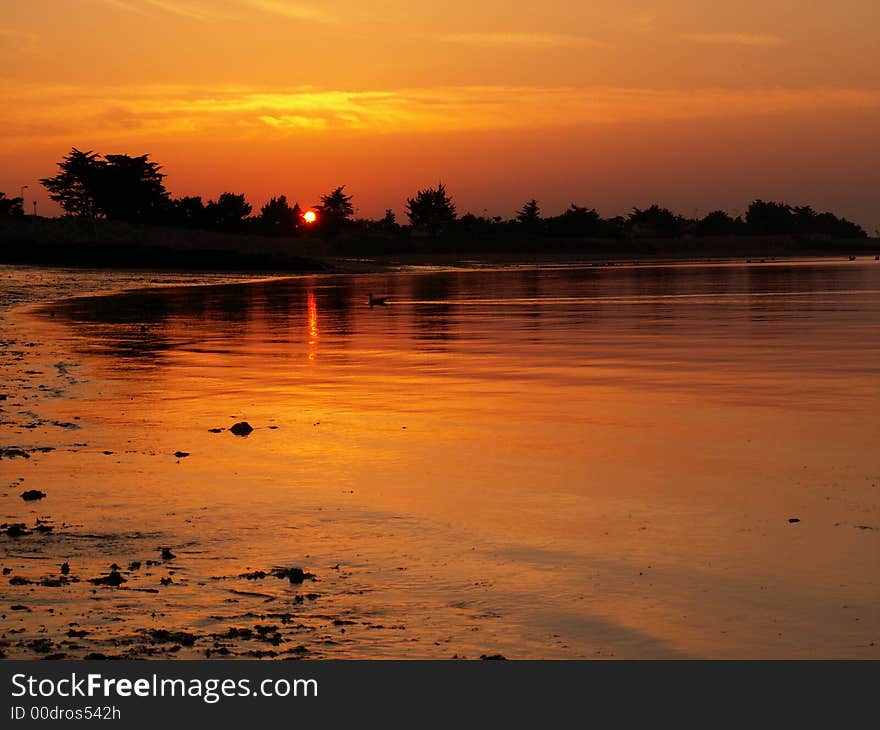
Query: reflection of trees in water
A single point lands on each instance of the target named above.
(128, 327)
(135, 348)
(431, 317)
(335, 305)
(141, 325)
(234, 306)
(529, 283)
(758, 279)
(278, 308)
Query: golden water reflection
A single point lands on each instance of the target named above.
(313, 325)
(544, 462)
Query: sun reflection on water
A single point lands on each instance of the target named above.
(312, 309)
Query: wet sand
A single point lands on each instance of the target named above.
(556, 462)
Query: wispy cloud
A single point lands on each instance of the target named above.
(205, 10)
(735, 39)
(296, 11)
(521, 40)
(192, 9)
(122, 5)
(69, 113)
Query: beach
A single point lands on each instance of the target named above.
(535, 461)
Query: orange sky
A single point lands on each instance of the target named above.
(606, 103)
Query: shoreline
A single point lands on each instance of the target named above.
(107, 245)
(206, 262)
(144, 278)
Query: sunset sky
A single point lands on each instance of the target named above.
(690, 104)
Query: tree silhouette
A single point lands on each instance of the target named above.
(131, 189)
(279, 218)
(188, 212)
(775, 219)
(388, 222)
(471, 223)
(718, 223)
(530, 214)
(578, 221)
(117, 187)
(654, 222)
(11, 207)
(828, 224)
(297, 215)
(75, 187)
(431, 211)
(769, 218)
(228, 212)
(336, 207)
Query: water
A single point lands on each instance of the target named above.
(551, 462)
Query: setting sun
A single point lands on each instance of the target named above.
(310, 216)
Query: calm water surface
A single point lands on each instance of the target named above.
(554, 463)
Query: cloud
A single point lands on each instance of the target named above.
(289, 122)
(192, 9)
(124, 5)
(74, 114)
(521, 40)
(735, 39)
(296, 11)
(205, 10)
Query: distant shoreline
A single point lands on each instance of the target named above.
(89, 244)
(515, 259)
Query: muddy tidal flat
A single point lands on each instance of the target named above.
(558, 462)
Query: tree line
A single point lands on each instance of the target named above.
(131, 189)
(11, 207)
